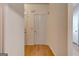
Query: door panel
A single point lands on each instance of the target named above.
(35, 28)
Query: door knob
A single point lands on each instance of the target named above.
(25, 32)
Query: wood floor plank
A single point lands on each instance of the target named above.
(38, 50)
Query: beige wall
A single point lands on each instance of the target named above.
(38, 7)
(57, 28)
(1, 28)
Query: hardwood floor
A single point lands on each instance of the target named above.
(38, 50)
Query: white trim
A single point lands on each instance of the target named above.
(70, 14)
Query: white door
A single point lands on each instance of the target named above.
(35, 28)
(40, 29)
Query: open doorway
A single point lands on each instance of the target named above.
(73, 29)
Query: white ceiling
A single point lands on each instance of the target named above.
(17, 7)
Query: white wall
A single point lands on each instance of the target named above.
(14, 32)
(57, 28)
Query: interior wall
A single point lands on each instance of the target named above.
(1, 28)
(37, 9)
(57, 28)
(14, 32)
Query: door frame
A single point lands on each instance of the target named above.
(70, 29)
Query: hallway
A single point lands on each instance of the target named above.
(38, 27)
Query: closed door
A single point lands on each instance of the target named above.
(35, 28)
